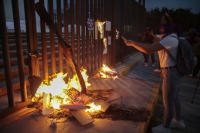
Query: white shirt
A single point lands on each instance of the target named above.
(171, 44)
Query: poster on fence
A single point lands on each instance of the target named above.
(90, 24)
(109, 40)
(108, 26)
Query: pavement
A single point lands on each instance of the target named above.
(137, 85)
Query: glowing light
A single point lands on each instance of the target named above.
(93, 108)
(106, 68)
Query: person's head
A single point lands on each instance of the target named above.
(166, 19)
(148, 30)
(169, 24)
(191, 35)
(192, 32)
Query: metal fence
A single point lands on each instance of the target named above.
(28, 47)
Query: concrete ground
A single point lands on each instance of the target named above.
(190, 111)
(137, 85)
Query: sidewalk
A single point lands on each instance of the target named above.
(138, 88)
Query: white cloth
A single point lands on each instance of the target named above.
(171, 44)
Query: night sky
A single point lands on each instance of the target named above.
(194, 5)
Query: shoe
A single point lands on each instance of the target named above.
(157, 70)
(153, 65)
(160, 129)
(145, 64)
(177, 124)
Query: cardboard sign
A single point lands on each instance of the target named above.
(109, 40)
(105, 50)
(82, 117)
(108, 26)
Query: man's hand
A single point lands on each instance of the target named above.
(152, 33)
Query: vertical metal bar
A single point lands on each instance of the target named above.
(113, 32)
(35, 43)
(34, 25)
(31, 36)
(105, 9)
(103, 56)
(105, 32)
(132, 19)
(66, 36)
(66, 31)
(91, 41)
(52, 40)
(87, 37)
(20, 58)
(95, 42)
(6, 57)
(78, 32)
(83, 31)
(44, 47)
(27, 10)
(110, 33)
(72, 25)
(99, 40)
(59, 23)
(122, 31)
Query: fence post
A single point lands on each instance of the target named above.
(44, 47)
(6, 57)
(31, 37)
(122, 45)
(113, 55)
(20, 57)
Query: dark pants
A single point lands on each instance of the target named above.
(197, 67)
(152, 58)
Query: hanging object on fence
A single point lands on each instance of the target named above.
(109, 40)
(105, 45)
(99, 26)
(90, 24)
(90, 27)
(117, 34)
(108, 26)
